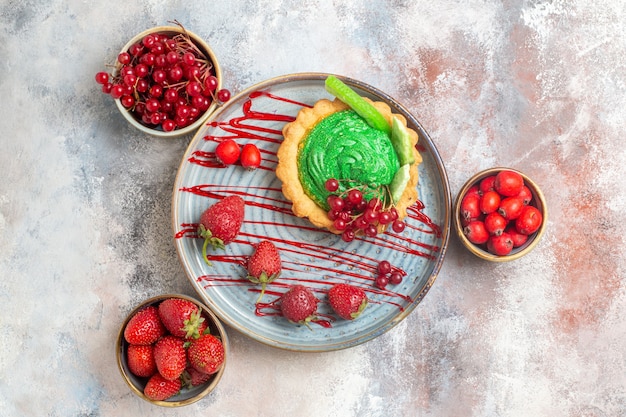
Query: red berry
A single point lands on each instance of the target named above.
(511, 207)
(384, 267)
(489, 202)
(355, 196)
(526, 195)
(223, 95)
(495, 223)
(331, 185)
(250, 156)
(470, 207)
(181, 317)
(264, 265)
(476, 232)
(228, 152)
(487, 184)
(140, 360)
(170, 357)
(298, 304)
(500, 245)
(160, 389)
(206, 354)
(395, 277)
(102, 77)
(398, 226)
(529, 220)
(508, 183)
(518, 238)
(382, 281)
(348, 301)
(144, 327)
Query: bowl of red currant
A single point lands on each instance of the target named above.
(166, 81)
(500, 214)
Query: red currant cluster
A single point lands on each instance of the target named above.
(387, 274)
(165, 81)
(351, 212)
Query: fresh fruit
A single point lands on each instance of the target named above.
(470, 207)
(206, 354)
(401, 141)
(227, 152)
(144, 327)
(250, 156)
(495, 223)
(181, 318)
(489, 202)
(264, 265)
(347, 300)
(166, 82)
(508, 183)
(476, 232)
(170, 356)
(500, 245)
(140, 359)
(511, 207)
(299, 305)
(516, 215)
(529, 220)
(362, 107)
(353, 213)
(220, 223)
(399, 182)
(160, 389)
(518, 238)
(193, 378)
(486, 184)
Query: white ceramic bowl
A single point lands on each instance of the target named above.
(205, 48)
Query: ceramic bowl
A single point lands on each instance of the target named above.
(538, 200)
(208, 53)
(187, 395)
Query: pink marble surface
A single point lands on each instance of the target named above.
(85, 199)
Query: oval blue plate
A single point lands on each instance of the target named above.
(312, 257)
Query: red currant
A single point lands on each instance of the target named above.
(398, 226)
(223, 95)
(331, 185)
(102, 77)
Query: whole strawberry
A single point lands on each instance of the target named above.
(170, 357)
(140, 359)
(206, 354)
(299, 305)
(160, 389)
(182, 318)
(192, 377)
(347, 300)
(264, 265)
(144, 327)
(220, 223)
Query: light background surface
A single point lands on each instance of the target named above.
(85, 230)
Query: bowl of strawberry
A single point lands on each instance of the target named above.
(171, 350)
(166, 81)
(500, 214)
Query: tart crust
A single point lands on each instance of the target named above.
(295, 133)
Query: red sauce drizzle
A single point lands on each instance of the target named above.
(352, 267)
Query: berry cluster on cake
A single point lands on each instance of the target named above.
(349, 165)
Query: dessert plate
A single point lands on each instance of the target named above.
(310, 256)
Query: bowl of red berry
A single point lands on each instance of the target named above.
(500, 214)
(171, 350)
(166, 81)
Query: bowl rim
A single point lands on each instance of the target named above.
(533, 239)
(120, 349)
(204, 46)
